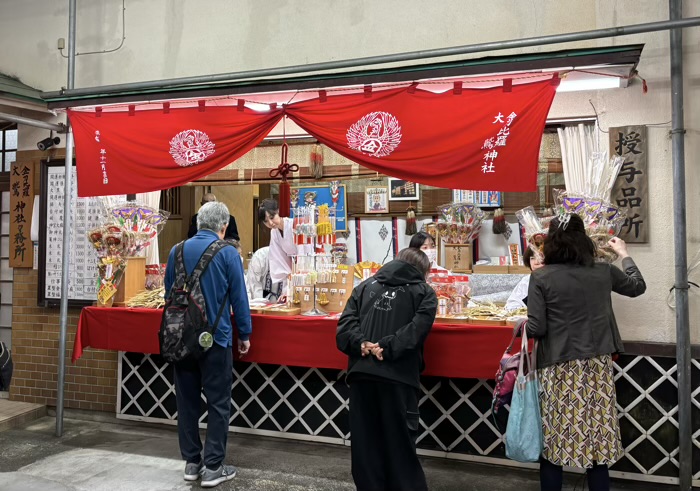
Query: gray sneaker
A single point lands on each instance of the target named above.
(211, 478)
(193, 471)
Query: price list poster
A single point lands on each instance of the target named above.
(87, 214)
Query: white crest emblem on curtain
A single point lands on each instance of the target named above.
(377, 134)
(191, 147)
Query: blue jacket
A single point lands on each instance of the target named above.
(223, 281)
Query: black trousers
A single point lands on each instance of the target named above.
(213, 373)
(551, 477)
(383, 431)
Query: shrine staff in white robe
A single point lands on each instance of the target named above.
(282, 244)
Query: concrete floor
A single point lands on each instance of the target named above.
(107, 454)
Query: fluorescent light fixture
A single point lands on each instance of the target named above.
(589, 84)
(258, 106)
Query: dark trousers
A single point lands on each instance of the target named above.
(383, 431)
(551, 477)
(212, 373)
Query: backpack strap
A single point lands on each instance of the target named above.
(205, 259)
(202, 265)
(180, 271)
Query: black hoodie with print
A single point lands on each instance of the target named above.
(395, 308)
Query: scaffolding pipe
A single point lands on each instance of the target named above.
(59, 127)
(376, 60)
(65, 266)
(680, 286)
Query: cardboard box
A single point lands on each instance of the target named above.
(458, 258)
(133, 282)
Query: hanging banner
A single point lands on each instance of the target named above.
(142, 151)
(481, 139)
(21, 206)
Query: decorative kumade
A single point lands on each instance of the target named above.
(591, 201)
(535, 230)
(127, 230)
(460, 223)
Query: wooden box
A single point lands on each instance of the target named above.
(488, 269)
(451, 320)
(133, 282)
(280, 310)
(518, 269)
(458, 258)
(491, 321)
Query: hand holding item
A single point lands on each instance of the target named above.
(618, 245)
(243, 347)
(377, 352)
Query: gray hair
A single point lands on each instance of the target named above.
(212, 216)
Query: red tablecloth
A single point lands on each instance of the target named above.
(458, 351)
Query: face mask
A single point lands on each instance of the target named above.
(432, 255)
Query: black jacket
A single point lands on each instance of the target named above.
(395, 308)
(570, 310)
(231, 230)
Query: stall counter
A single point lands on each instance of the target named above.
(455, 351)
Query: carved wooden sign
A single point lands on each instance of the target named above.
(631, 190)
(21, 204)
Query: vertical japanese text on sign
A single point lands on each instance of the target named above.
(630, 192)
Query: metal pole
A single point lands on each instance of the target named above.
(65, 267)
(377, 60)
(680, 249)
(60, 127)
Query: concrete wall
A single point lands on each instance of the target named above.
(181, 38)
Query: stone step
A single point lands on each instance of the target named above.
(14, 413)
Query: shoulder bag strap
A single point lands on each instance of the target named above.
(516, 329)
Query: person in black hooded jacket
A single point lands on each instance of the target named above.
(382, 330)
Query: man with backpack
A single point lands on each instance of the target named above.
(196, 336)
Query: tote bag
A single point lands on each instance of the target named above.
(524, 432)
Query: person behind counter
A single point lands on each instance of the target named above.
(382, 330)
(570, 314)
(425, 242)
(258, 280)
(223, 288)
(282, 244)
(518, 297)
(231, 230)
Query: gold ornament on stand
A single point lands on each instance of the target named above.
(323, 299)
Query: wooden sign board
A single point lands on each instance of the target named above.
(631, 190)
(21, 205)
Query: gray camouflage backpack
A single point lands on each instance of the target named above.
(184, 329)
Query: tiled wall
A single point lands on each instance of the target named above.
(90, 384)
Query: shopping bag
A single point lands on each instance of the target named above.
(524, 431)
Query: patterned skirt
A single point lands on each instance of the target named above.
(579, 417)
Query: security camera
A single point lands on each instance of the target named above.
(47, 143)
